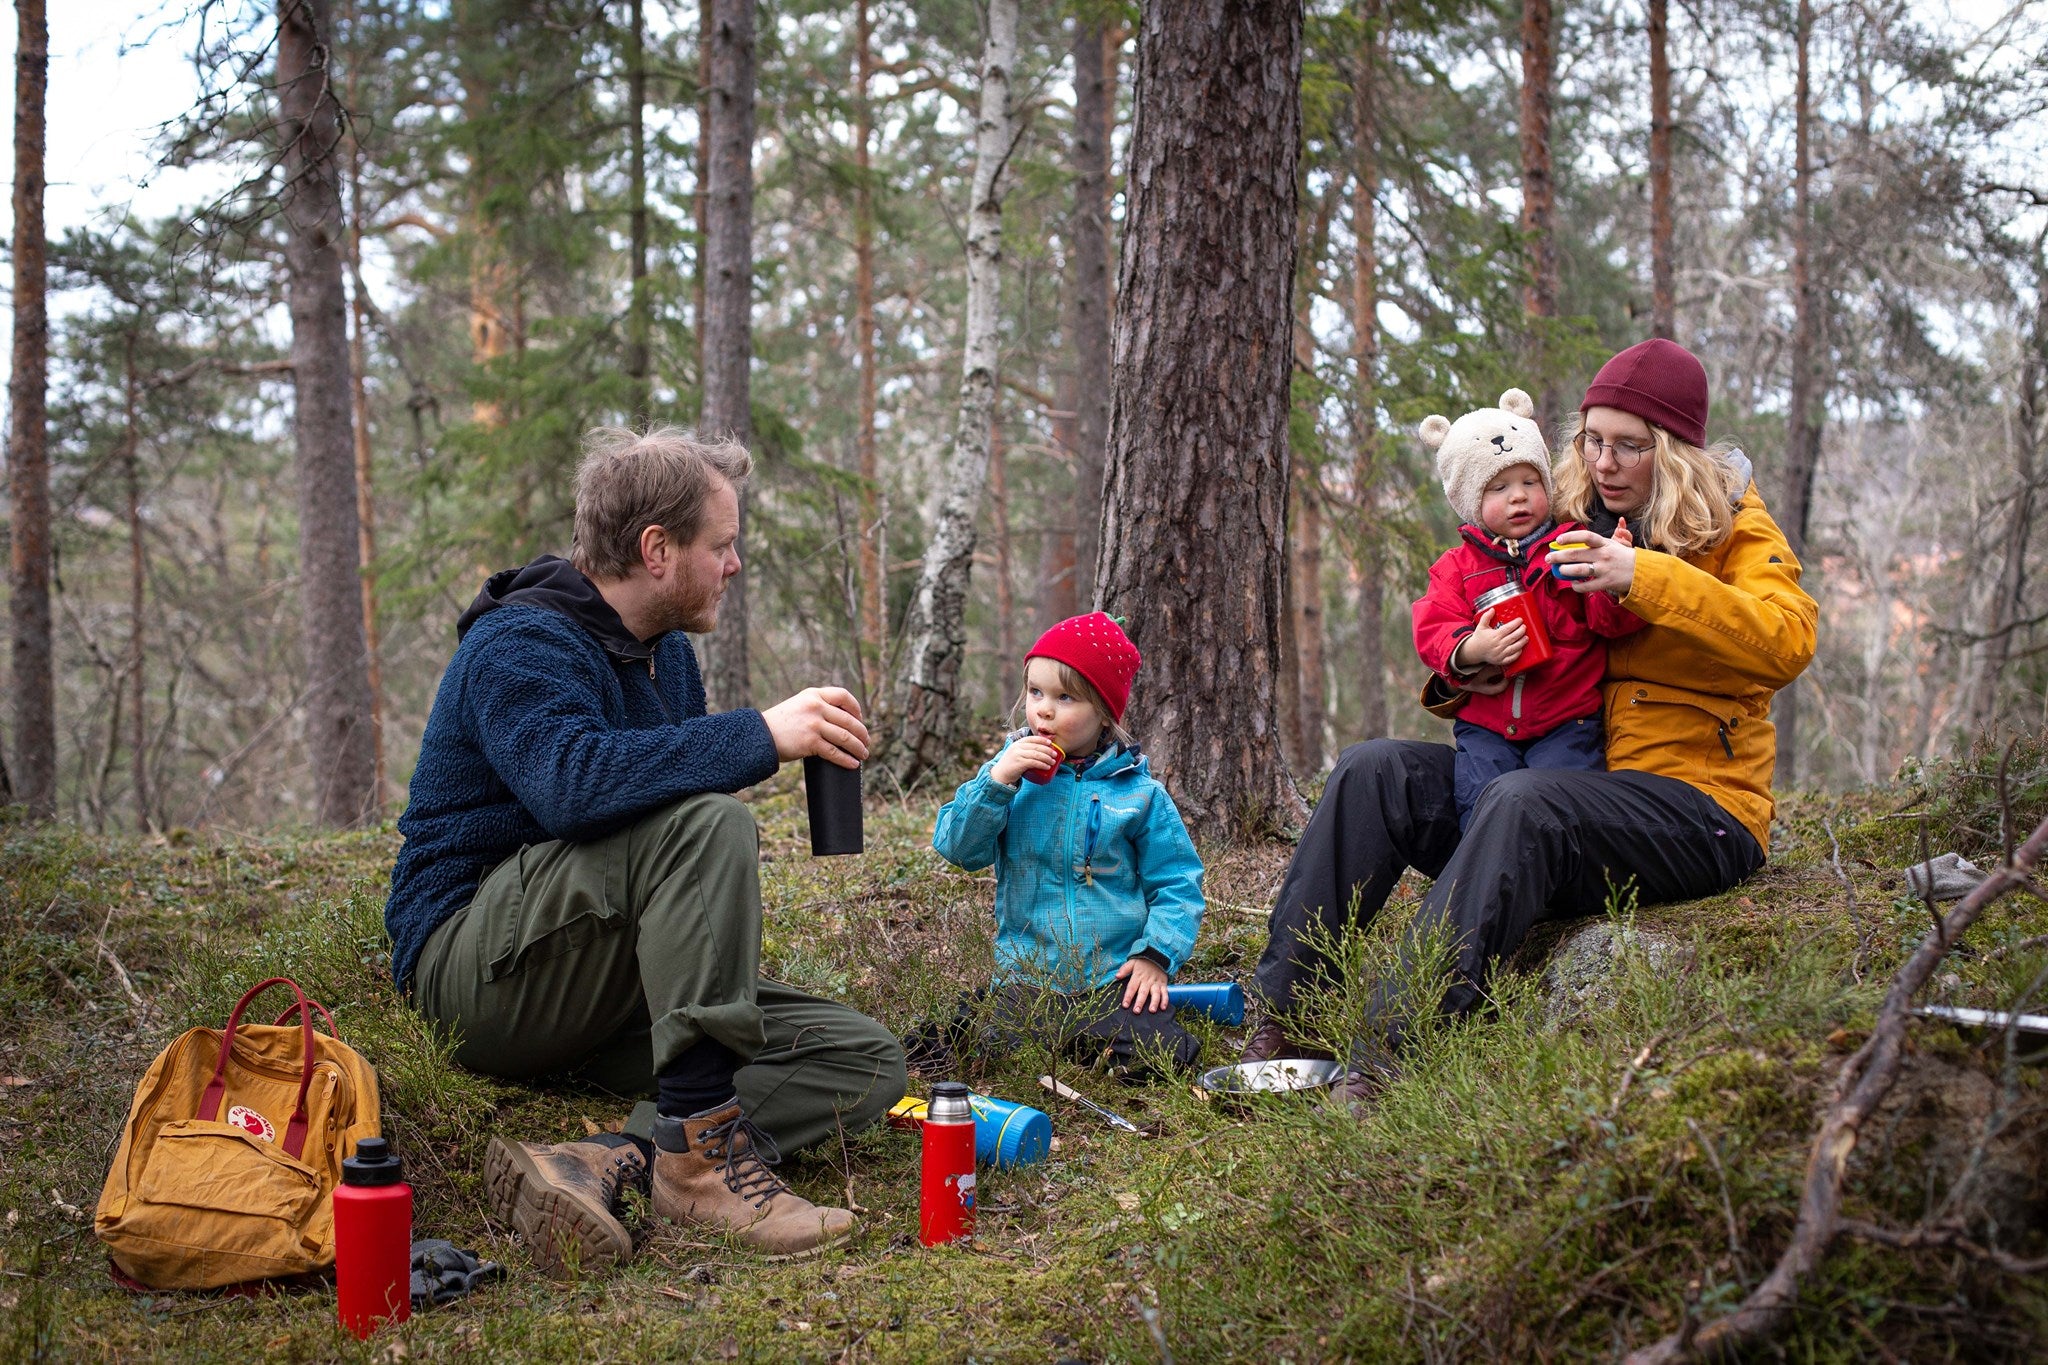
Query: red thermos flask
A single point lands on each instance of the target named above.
(372, 1239)
(946, 1204)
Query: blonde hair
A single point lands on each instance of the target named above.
(632, 480)
(1692, 492)
(1073, 683)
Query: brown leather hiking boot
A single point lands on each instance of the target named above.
(713, 1171)
(562, 1199)
(1269, 1041)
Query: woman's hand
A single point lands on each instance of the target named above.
(1600, 563)
(1144, 985)
(1028, 755)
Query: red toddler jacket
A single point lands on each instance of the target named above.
(1538, 701)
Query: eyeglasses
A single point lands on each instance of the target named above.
(1627, 454)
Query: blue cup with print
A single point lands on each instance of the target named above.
(1007, 1134)
(1222, 1001)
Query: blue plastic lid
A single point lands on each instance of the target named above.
(1007, 1134)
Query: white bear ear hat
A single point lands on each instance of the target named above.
(1472, 451)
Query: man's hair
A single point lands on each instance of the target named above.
(630, 480)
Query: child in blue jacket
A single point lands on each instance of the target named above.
(1098, 887)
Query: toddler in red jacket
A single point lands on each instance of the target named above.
(1495, 470)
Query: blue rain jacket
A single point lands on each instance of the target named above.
(1091, 870)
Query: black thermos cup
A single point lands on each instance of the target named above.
(833, 795)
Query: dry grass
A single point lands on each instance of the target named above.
(1531, 1189)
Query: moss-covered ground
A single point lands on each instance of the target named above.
(1540, 1183)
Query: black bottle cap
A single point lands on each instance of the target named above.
(372, 1164)
(950, 1089)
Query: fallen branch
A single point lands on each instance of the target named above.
(1865, 1080)
(1946, 1236)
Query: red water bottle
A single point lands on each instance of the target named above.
(372, 1239)
(946, 1206)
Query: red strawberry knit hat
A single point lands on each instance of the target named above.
(1096, 647)
(1659, 381)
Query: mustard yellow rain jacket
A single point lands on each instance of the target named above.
(1690, 697)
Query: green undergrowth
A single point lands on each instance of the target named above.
(1565, 1175)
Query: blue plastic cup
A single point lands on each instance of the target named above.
(1222, 1001)
(1007, 1134)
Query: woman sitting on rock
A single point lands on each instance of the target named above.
(1684, 809)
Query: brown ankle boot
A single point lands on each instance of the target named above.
(562, 1199)
(712, 1171)
(1270, 1041)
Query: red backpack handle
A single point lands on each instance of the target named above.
(320, 1009)
(216, 1089)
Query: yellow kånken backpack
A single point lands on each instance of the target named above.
(228, 1163)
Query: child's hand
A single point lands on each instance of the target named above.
(1031, 754)
(1144, 985)
(1491, 644)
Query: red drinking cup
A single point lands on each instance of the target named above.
(1510, 602)
(1045, 774)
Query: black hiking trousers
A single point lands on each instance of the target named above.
(1542, 844)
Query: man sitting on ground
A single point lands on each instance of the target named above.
(579, 896)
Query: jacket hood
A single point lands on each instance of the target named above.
(554, 584)
(1108, 763)
(1519, 556)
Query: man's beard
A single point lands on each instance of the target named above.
(687, 611)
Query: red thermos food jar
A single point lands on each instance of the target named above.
(1510, 602)
(372, 1239)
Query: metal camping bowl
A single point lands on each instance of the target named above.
(1282, 1076)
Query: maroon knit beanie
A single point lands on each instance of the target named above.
(1659, 381)
(1096, 647)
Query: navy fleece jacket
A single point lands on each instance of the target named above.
(552, 722)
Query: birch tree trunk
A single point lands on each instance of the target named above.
(930, 708)
(340, 736)
(1195, 490)
(1803, 432)
(28, 458)
(728, 337)
(1663, 298)
(1539, 193)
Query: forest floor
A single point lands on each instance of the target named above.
(1570, 1174)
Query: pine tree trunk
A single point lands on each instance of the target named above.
(701, 197)
(930, 709)
(1803, 432)
(1302, 672)
(359, 403)
(1368, 555)
(2008, 601)
(1094, 122)
(1195, 491)
(28, 457)
(490, 275)
(639, 320)
(1287, 698)
(873, 540)
(340, 736)
(1663, 299)
(1539, 193)
(138, 568)
(728, 306)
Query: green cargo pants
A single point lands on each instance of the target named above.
(600, 962)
